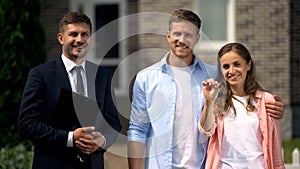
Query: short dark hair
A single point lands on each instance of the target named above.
(74, 17)
(185, 15)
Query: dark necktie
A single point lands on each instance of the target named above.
(79, 85)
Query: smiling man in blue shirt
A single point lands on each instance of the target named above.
(167, 101)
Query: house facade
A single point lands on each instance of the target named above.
(131, 35)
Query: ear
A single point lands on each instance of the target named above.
(60, 38)
(249, 65)
(198, 37)
(169, 36)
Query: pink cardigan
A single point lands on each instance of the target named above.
(270, 129)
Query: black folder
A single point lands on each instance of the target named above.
(75, 107)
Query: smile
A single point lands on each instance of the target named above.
(233, 77)
(182, 47)
(80, 46)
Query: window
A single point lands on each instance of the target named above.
(217, 18)
(214, 21)
(218, 26)
(104, 14)
(107, 49)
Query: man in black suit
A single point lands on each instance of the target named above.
(52, 104)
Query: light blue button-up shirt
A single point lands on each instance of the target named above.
(153, 109)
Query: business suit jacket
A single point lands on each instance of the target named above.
(45, 120)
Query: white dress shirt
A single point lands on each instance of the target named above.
(69, 65)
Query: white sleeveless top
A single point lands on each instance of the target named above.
(242, 139)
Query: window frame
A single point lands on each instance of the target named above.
(231, 28)
(88, 7)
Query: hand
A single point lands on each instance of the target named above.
(88, 140)
(210, 89)
(275, 109)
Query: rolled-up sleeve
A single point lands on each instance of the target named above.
(139, 124)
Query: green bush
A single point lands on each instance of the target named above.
(288, 147)
(18, 157)
(22, 47)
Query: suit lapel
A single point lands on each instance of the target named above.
(61, 75)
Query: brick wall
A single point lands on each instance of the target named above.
(263, 26)
(158, 23)
(51, 13)
(160, 6)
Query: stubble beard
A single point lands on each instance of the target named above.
(74, 54)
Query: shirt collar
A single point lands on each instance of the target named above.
(70, 64)
(164, 64)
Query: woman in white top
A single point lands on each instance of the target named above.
(242, 134)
